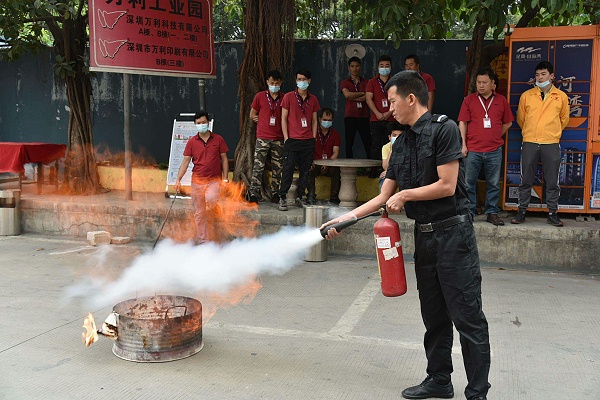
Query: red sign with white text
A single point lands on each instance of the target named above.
(152, 37)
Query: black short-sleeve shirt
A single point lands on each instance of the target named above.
(416, 154)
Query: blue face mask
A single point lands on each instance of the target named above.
(202, 128)
(385, 71)
(326, 124)
(302, 85)
(393, 139)
(274, 89)
(542, 84)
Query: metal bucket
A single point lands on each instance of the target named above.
(314, 216)
(10, 212)
(159, 328)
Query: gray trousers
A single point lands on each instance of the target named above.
(549, 155)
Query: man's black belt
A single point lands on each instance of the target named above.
(433, 226)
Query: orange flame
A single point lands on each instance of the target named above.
(91, 334)
(243, 293)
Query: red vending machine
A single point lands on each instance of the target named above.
(573, 50)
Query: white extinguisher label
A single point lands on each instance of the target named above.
(390, 253)
(384, 242)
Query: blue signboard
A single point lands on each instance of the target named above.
(572, 61)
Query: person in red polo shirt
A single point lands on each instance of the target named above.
(299, 125)
(208, 152)
(412, 63)
(327, 146)
(266, 112)
(483, 120)
(379, 105)
(356, 114)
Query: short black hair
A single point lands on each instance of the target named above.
(394, 126)
(489, 72)
(384, 57)
(305, 72)
(407, 82)
(414, 57)
(545, 65)
(276, 75)
(201, 114)
(354, 59)
(326, 110)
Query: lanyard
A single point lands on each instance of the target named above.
(270, 100)
(323, 139)
(489, 105)
(381, 85)
(356, 84)
(300, 101)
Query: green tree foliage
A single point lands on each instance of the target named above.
(28, 26)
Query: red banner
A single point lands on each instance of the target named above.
(152, 37)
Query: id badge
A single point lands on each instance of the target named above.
(272, 121)
(324, 157)
(384, 103)
(487, 123)
(358, 104)
(304, 123)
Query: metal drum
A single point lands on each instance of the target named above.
(159, 328)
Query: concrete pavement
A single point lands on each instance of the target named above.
(320, 331)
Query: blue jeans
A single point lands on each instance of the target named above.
(491, 163)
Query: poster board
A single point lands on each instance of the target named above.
(183, 129)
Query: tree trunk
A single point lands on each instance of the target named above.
(269, 44)
(480, 56)
(81, 174)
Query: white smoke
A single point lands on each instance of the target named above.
(174, 269)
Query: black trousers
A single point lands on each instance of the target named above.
(296, 152)
(549, 155)
(449, 283)
(379, 137)
(351, 126)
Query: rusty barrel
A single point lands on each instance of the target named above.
(158, 328)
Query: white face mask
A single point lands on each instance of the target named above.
(542, 84)
(302, 85)
(274, 89)
(393, 139)
(202, 127)
(385, 71)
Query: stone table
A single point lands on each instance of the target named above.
(348, 168)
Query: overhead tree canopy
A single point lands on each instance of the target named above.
(28, 26)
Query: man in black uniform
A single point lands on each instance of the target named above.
(427, 166)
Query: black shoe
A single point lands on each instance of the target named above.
(429, 388)
(311, 201)
(519, 218)
(494, 219)
(334, 200)
(299, 202)
(282, 205)
(554, 220)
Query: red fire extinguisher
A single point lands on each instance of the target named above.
(389, 256)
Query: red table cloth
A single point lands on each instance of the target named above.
(13, 155)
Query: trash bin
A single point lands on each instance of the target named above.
(10, 212)
(314, 216)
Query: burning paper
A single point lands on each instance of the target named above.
(90, 335)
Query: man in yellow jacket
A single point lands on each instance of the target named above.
(543, 113)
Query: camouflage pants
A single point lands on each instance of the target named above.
(263, 147)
